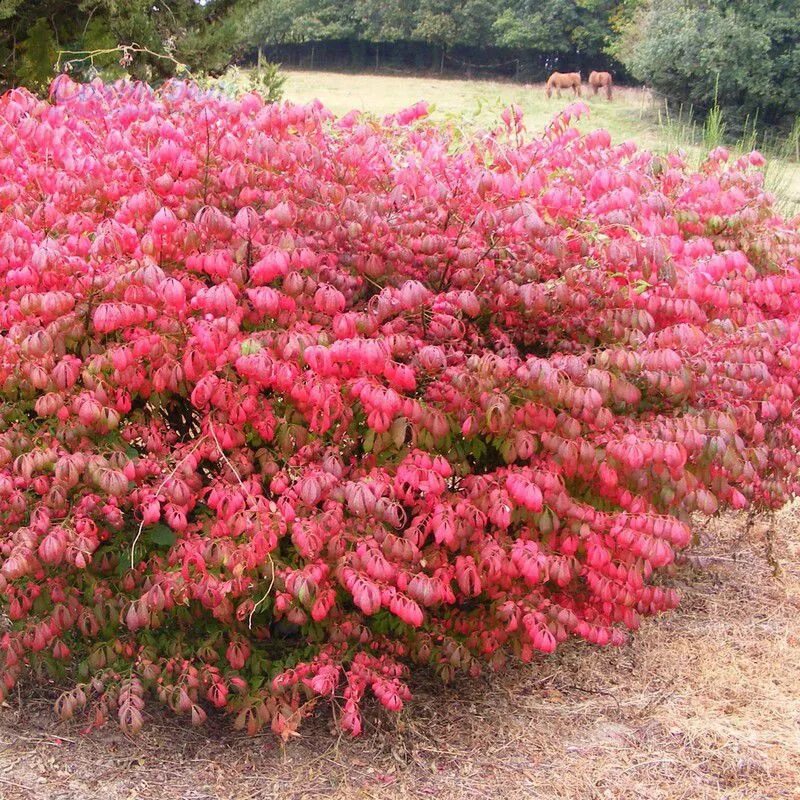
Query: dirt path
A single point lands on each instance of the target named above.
(704, 703)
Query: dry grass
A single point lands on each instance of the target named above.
(477, 102)
(703, 703)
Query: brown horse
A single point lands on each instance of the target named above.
(601, 80)
(564, 80)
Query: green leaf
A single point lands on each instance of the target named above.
(478, 448)
(160, 535)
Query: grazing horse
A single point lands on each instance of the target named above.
(601, 80)
(564, 80)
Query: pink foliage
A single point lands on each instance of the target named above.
(291, 403)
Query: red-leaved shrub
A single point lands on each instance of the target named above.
(290, 403)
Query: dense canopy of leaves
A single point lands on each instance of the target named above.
(745, 55)
(290, 403)
(33, 32)
(207, 36)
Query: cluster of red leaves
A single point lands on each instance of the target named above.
(290, 403)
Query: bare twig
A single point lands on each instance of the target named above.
(161, 486)
(250, 497)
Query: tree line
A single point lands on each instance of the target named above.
(522, 38)
(741, 54)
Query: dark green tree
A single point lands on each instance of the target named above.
(35, 34)
(556, 27)
(436, 25)
(742, 55)
(37, 54)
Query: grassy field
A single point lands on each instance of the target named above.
(633, 113)
(479, 102)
